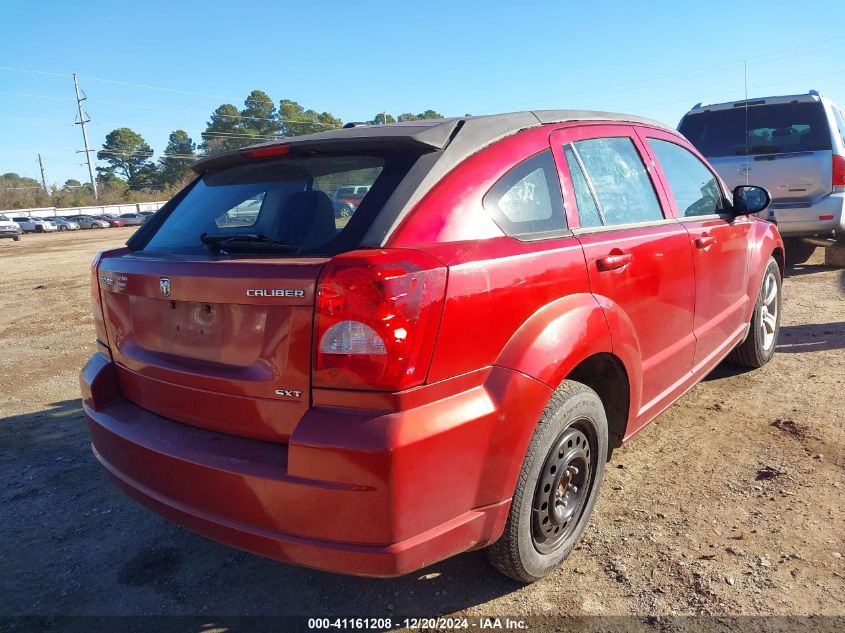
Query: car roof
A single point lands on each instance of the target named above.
(808, 97)
(472, 133)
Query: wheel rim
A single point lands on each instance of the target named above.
(563, 488)
(769, 312)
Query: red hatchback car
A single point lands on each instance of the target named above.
(449, 369)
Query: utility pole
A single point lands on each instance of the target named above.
(43, 180)
(83, 119)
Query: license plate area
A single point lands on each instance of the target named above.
(192, 328)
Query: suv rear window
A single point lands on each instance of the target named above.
(777, 128)
(290, 202)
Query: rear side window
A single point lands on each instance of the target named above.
(695, 188)
(840, 123)
(526, 201)
(588, 211)
(777, 128)
(623, 188)
(294, 202)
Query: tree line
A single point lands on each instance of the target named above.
(130, 173)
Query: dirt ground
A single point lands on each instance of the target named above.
(731, 503)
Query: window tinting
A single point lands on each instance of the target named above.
(694, 187)
(293, 200)
(772, 129)
(527, 199)
(619, 178)
(588, 212)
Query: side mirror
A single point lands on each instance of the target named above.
(749, 199)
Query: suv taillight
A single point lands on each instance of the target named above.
(376, 319)
(838, 171)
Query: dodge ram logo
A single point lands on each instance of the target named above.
(164, 286)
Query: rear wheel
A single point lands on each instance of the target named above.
(557, 486)
(797, 250)
(17, 238)
(759, 345)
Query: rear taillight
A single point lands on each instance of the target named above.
(96, 303)
(838, 171)
(376, 319)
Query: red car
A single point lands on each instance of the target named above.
(114, 221)
(515, 296)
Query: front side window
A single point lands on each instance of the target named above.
(695, 188)
(622, 185)
(527, 199)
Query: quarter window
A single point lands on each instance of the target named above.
(526, 200)
(695, 188)
(623, 188)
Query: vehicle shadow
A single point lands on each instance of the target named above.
(797, 270)
(811, 337)
(81, 547)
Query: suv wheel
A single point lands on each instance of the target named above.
(759, 345)
(557, 486)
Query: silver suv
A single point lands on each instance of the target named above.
(794, 146)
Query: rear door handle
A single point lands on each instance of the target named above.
(705, 242)
(614, 262)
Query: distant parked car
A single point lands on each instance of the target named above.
(794, 146)
(9, 229)
(63, 224)
(113, 220)
(90, 222)
(35, 225)
(147, 214)
(132, 219)
(346, 199)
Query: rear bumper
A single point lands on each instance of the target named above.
(822, 217)
(365, 493)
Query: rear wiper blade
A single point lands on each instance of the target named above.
(223, 242)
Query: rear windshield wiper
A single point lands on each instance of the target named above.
(225, 242)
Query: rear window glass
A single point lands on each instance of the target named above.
(771, 129)
(298, 202)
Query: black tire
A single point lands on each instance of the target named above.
(345, 211)
(63, 228)
(17, 238)
(757, 350)
(96, 226)
(797, 251)
(572, 431)
(39, 229)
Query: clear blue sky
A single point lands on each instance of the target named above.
(354, 60)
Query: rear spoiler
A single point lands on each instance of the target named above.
(419, 135)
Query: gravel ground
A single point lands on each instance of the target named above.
(731, 503)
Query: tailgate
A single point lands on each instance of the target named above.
(798, 178)
(218, 344)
